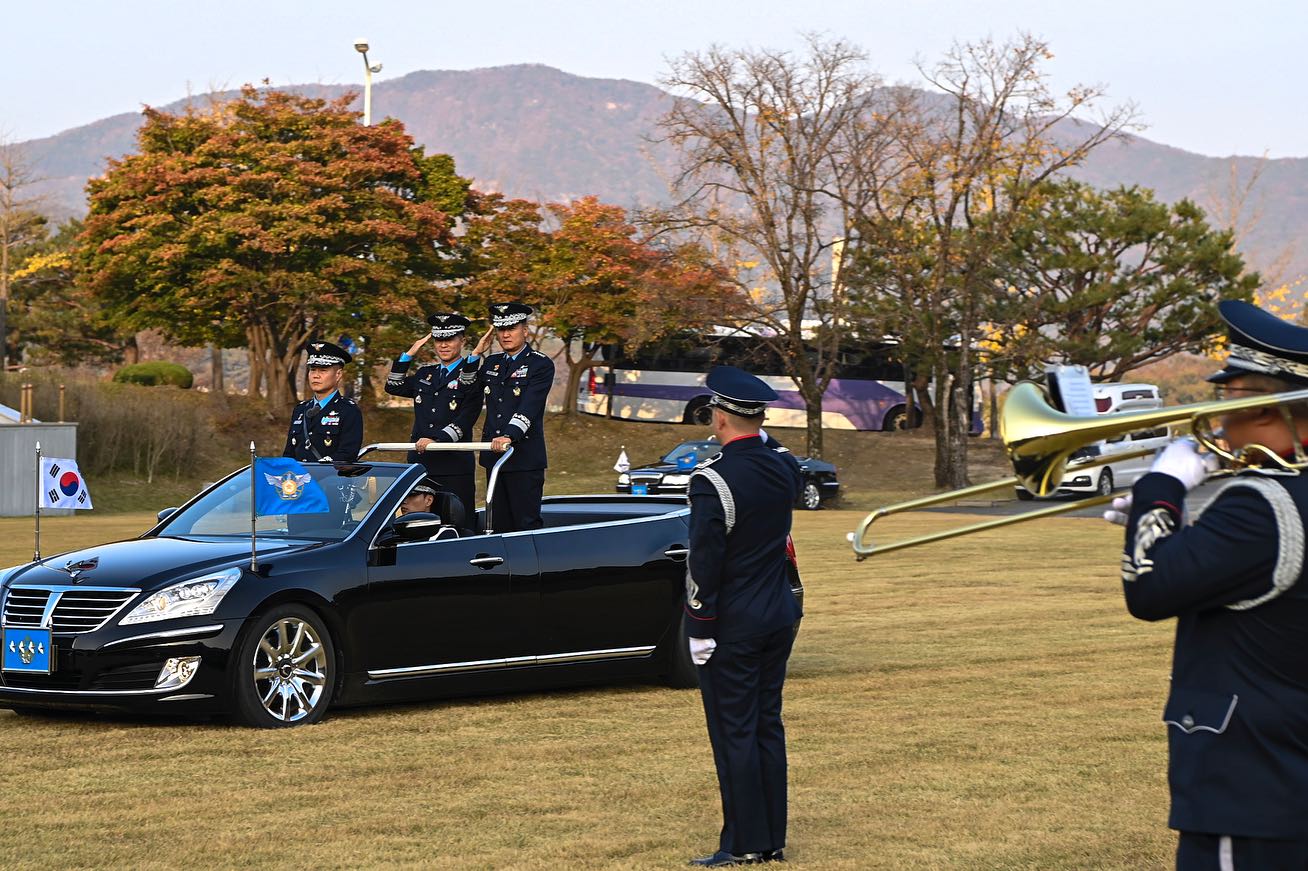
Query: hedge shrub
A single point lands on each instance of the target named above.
(154, 374)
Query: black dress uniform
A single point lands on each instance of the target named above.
(446, 404)
(738, 593)
(331, 432)
(1237, 714)
(516, 389)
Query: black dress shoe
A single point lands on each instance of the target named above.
(773, 856)
(723, 859)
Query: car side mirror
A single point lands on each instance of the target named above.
(418, 526)
(165, 514)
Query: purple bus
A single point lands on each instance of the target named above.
(665, 384)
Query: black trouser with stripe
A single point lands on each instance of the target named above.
(741, 687)
(1196, 851)
(517, 500)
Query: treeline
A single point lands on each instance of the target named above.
(812, 203)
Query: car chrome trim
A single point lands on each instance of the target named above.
(97, 693)
(607, 524)
(511, 662)
(170, 634)
(187, 697)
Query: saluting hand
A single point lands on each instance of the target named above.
(417, 346)
(483, 344)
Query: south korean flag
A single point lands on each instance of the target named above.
(62, 484)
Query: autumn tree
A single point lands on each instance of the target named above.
(777, 156)
(55, 318)
(1115, 280)
(20, 224)
(969, 154)
(596, 280)
(266, 221)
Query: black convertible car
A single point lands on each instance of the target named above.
(352, 606)
(671, 475)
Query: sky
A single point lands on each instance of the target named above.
(1214, 78)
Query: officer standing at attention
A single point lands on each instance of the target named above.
(1237, 714)
(327, 426)
(447, 399)
(741, 613)
(518, 380)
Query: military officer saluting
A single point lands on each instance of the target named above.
(447, 399)
(517, 382)
(740, 614)
(327, 426)
(1237, 713)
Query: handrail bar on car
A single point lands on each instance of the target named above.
(453, 446)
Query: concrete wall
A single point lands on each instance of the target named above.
(18, 463)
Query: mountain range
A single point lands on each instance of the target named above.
(538, 132)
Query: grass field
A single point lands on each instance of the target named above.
(981, 704)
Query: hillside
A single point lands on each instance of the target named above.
(542, 133)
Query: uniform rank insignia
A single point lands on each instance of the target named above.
(327, 442)
(454, 403)
(517, 391)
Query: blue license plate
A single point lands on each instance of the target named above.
(27, 650)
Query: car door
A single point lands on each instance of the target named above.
(440, 607)
(609, 587)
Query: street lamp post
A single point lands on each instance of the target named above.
(361, 46)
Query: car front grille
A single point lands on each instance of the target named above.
(75, 609)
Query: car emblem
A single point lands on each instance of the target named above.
(76, 567)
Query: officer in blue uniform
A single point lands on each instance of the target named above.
(447, 400)
(741, 613)
(326, 427)
(1237, 714)
(517, 382)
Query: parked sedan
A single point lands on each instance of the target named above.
(352, 606)
(671, 475)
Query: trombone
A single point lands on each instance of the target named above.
(1040, 440)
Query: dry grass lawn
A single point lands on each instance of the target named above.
(981, 704)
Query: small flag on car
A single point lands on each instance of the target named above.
(623, 464)
(282, 486)
(62, 484)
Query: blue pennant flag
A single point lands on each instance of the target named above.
(282, 486)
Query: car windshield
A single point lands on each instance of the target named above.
(350, 491)
(700, 451)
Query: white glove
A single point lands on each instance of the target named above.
(701, 649)
(1182, 460)
(1120, 512)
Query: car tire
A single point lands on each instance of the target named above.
(810, 498)
(1105, 484)
(284, 670)
(698, 412)
(682, 672)
(1025, 495)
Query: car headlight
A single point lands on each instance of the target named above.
(193, 598)
(676, 480)
(624, 478)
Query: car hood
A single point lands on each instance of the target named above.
(147, 563)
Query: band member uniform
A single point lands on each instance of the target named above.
(1237, 713)
(447, 399)
(327, 426)
(517, 383)
(740, 615)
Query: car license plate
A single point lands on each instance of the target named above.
(27, 650)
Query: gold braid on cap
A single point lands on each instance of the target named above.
(1254, 360)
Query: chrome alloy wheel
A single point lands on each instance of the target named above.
(290, 670)
(812, 496)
